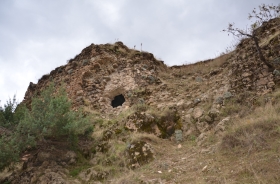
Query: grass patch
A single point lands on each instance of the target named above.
(75, 171)
(254, 132)
(202, 67)
(82, 164)
(137, 136)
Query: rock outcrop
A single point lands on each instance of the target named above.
(132, 92)
(99, 73)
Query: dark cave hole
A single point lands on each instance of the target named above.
(118, 101)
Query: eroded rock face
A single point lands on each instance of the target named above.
(46, 173)
(99, 73)
(46, 166)
(160, 125)
(52, 177)
(248, 71)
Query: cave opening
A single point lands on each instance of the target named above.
(118, 101)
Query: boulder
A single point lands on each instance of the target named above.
(139, 153)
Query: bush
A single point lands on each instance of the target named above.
(51, 117)
(8, 153)
(9, 118)
(7, 113)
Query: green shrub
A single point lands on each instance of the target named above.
(9, 118)
(7, 114)
(8, 153)
(51, 117)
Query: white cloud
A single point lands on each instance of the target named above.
(37, 36)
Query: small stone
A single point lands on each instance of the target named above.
(227, 95)
(276, 61)
(262, 81)
(246, 74)
(276, 72)
(85, 62)
(79, 93)
(68, 67)
(190, 111)
(70, 71)
(79, 98)
(197, 113)
(219, 100)
(151, 79)
(271, 84)
(179, 146)
(159, 172)
(213, 113)
(196, 101)
(198, 79)
(96, 66)
(107, 78)
(208, 119)
(204, 168)
(221, 126)
(180, 103)
(201, 137)
(178, 135)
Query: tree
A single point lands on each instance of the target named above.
(261, 15)
(7, 114)
(51, 117)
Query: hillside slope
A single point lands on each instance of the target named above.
(215, 121)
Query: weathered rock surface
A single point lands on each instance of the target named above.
(139, 153)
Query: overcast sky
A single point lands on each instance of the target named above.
(37, 36)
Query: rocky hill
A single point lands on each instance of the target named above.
(214, 121)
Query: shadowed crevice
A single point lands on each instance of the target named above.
(118, 101)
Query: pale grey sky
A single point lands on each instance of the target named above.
(37, 36)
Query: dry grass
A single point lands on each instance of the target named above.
(136, 136)
(203, 67)
(126, 178)
(255, 131)
(193, 78)
(247, 153)
(256, 141)
(122, 115)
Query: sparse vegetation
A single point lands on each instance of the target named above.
(50, 117)
(255, 131)
(8, 117)
(215, 121)
(261, 16)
